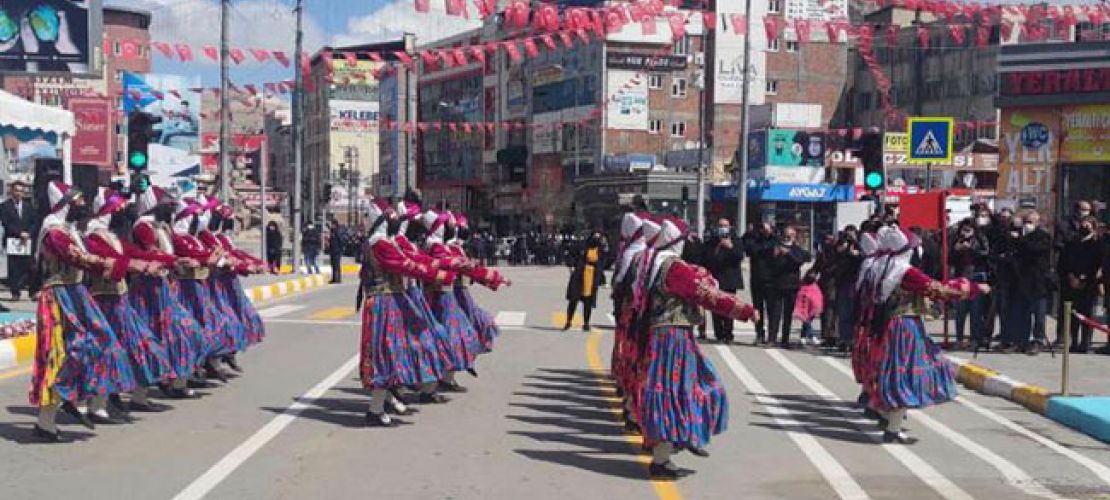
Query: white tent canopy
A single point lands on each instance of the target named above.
(19, 113)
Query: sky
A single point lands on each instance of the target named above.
(270, 24)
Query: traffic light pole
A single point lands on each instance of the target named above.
(742, 145)
(298, 140)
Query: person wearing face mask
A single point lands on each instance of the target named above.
(683, 401)
(785, 266)
(723, 255)
(584, 281)
(1029, 300)
(79, 357)
(1079, 264)
(147, 353)
(759, 248)
(967, 256)
(1066, 232)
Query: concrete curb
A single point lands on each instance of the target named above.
(1088, 415)
(18, 351)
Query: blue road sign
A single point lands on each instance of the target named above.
(930, 139)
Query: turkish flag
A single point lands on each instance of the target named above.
(165, 48)
(281, 58)
(211, 52)
(184, 52)
(548, 41)
(512, 50)
(129, 49)
(477, 53)
(530, 48)
(237, 55)
(352, 59)
(739, 24)
(710, 20)
(422, 5)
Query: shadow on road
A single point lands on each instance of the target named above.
(815, 415)
(568, 411)
(21, 433)
(345, 412)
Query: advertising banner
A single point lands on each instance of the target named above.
(354, 82)
(174, 98)
(1028, 151)
(789, 148)
(92, 144)
(38, 36)
(354, 116)
(628, 109)
(728, 46)
(1086, 133)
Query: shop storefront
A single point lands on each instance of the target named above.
(1055, 125)
(810, 208)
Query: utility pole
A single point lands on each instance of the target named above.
(225, 104)
(701, 148)
(742, 179)
(298, 139)
(411, 80)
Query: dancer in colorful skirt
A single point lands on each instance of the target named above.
(148, 355)
(632, 319)
(193, 287)
(464, 341)
(907, 370)
(156, 298)
(77, 355)
(482, 320)
(684, 402)
(397, 349)
(861, 349)
(233, 332)
(244, 324)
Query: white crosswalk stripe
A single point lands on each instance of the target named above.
(511, 319)
(279, 310)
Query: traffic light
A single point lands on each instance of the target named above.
(870, 154)
(140, 131)
(685, 194)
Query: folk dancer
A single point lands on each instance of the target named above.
(684, 402)
(77, 355)
(635, 304)
(907, 369)
(397, 349)
(156, 298)
(490, 278)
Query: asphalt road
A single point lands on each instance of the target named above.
(537, 424)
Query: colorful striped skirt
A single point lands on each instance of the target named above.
(234, 331)
(464, 342)
(77, 354)
(393, 352)
(232, 292)
(908, 369)
(149, 360)
(155, 299)
(481, 319)
(198, 300)
(684, 402)
(432, 329)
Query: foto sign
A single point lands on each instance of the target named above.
(930, 139)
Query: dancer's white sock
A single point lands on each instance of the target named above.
(47, 417)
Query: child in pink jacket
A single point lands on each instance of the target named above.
(808, 305)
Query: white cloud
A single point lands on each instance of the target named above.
(399, 17)
(264, 24)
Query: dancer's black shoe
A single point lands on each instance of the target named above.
(431, 398)
(72, 411)
(211, 371)
(700, 452)
(472, 372)
(45, 435)
(116, 403)
(661, 472)
(898, 437)
(148, 407)
(379, 420)
(451, 387)
(233, 363)
(102, 420)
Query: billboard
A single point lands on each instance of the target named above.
(728, 49)
(176, 99)
(354, 116)
(92, 144)
(795, 148)
(354, 82)
(627, 109)
(49, 36)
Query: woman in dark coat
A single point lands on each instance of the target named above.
(273, 247)
(584, 281)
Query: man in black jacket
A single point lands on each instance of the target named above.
(1079, 264)
(1029, 301)
(786, 278)
(722, 256)
(759, 247)
(18, 218)
(335, 251)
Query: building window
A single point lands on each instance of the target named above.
(791, 46)
(773, 45)
(655, 81)
(682, 47)
(772, 87)
(119, 75)
(774, 6)
(678, 87)
(678, 129)
(655, 126)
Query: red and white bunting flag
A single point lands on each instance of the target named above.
(486, 8)
(516, 14)
(739, 24)
(158, 95)
(567, 41)
(281, 58)
(448, 58)
(957, 32)
(923, 37)
(546, 18)
(260, 55)
(352, 59)
(477, 53)
(891, 36)
(857, 133)
(833, 29)
(492, 47)
(271, 88)
(457, 8)
(422, 126)
(438, 126)
(530, 48)
(801, 28)
(548, 41)
(165, 48)
(212, 52)
(452, 127)
(648, 26)
(374, 56)
(251, 88)
(773, 26)
(422, 6)
(466, 128)
(597, 24)
(184, 52)
(176, 94)
(490, 127)
(710, 20)
(583, 35)
(460, 56)
(513, 51)
(430, 59)
(678, 26)
(508, 127)
(236, 55)
(129, 49)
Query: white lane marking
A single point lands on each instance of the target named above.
(1013, 474)
(510, 319)
(915, 464)
(204, 484)
(838, 478)
(314, 322)
(1100, 470)
(279, 310)
(7, 355)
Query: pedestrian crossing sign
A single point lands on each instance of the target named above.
(930, 139)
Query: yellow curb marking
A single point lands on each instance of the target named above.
(665, 490)
(15, 373)
(559, 320)
(333, 313)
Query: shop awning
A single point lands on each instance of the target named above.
(20, 113)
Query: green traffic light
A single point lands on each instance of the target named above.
(874, 180)
(138, 159)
